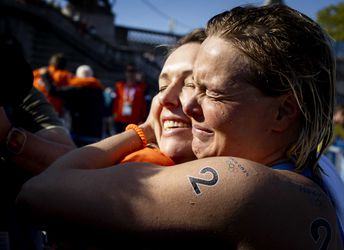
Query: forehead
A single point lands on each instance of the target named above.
(181, 59)
(218, 60)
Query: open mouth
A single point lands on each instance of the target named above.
(175, 124)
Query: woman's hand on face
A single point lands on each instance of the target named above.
(152, 124)
(5, 125)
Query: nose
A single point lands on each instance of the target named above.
(170, 96)
(190, 104)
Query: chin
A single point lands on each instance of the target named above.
(183, 157)
(200, 153)
(179, 153)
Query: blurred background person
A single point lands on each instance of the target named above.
(84, 101)
(108, 122)
(130, 104)
(335, 152)
(142, 81)
(338, 119)
(60, 76)
(31, 137)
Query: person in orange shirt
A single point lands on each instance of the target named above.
(85, 78)
(130, 105)
(59, 75)
(174, 134)
(83, 99)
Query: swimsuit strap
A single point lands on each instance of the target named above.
(284, 166)
(334, 187)
(330, 183)
(291, 167)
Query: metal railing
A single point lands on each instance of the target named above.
(131, 45)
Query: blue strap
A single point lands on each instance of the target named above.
(306, 172)
(291, 167)
(284, 166)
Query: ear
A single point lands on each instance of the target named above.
(287, 113)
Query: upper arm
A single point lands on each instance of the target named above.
(198, 196)
(226, 198)
(237, 200)
(131, 199)
(58, 135)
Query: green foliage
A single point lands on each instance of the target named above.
(331, 19)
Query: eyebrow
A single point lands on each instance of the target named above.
(182, 73)
(163, 76)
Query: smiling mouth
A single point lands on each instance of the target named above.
(174, 124)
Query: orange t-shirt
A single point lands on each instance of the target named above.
(91, 82)
(60, 78)
(151, 155)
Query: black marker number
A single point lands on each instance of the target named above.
(196, 181)
(315, 232)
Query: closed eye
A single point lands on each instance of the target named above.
(162, 88)
(220, 96)
(189, 84)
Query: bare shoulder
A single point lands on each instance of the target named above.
(267, 208)
(240, 203)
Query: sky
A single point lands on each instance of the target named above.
(189, 14)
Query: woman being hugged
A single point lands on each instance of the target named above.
(260, 102)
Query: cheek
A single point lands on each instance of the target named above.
(223, 115)
(157, 127)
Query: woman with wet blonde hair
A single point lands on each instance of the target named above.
(260, 100)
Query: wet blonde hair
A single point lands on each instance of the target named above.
(197, 35)
(288, 52)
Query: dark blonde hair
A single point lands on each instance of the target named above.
(197, 35)
(287, 52)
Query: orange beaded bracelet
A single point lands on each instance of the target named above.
(139, 132)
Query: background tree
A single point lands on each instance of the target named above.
(331, 19)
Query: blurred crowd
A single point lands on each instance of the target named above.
(335, 151)
(48, 111)
(89, 109)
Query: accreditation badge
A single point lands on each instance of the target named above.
(127, 109)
